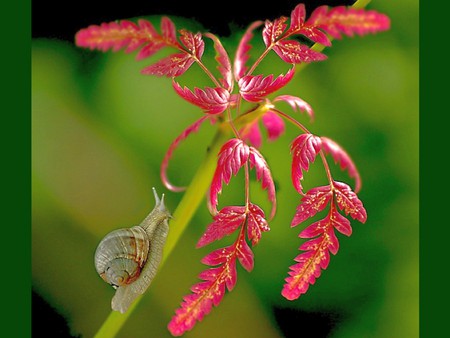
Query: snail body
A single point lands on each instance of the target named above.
(128, 258)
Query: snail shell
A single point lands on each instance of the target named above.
(129, 258)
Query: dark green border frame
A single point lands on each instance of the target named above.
(434, 183)
(15, 28)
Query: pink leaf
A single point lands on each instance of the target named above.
(125, 34)
(209, 275)
(298, 26)
(244, 254)
(205, 294)
(165, 162)
(219, 256)
(342, 224)
(274, 125)
(318, 16)
(313, 202)
(213, 273)
(171, 66)
(263, 174)
(147, 28)
(223, 60)
(292, 51)
(297, 18)
(244, 47)
(168, 30)
(256, 223)
(211, 291)
(107, 36)
(211, 100)
(231, 274)
(348, 21)
(316, 35)
(153, 45)
(311, 245)
(256, 88)
(313, 230)
(273, 30)
(306, 271)
(333, 243)
(118, 35)
(232, 156)
(149, 49)
(193, 42)
(296, 103)
(304, 150)
(334, 218)
(316, 256)
(227, 220)
(348, 201)
(340, 156)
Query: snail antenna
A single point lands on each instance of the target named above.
(159, 202)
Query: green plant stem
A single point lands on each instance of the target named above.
(361, 3)
(191, 200)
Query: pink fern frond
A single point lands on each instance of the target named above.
(273, 30)
(256, 223)
(211, 100)
(314, 201)
(107, 36)
(305, 272)
(244, 254)
(342, 224)
(219, 256)
(315, 35)
(193, 42)
(125, 34)
(226, 221)
(173, 146)
(316, 257)
(348, 21)
(304, 150)
(171, 66)
(297, 26)
(205, 294)
(348, 201)
(298, 15)
(256, 88)
(168, 30)
(232, 156)
(294, 52)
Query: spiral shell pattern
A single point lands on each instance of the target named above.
(121, 255)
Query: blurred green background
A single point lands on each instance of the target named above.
(100, 131)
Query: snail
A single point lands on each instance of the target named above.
(128, 258)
